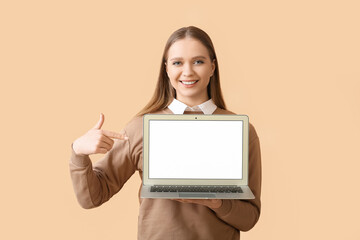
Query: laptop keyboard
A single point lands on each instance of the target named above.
(214, 189)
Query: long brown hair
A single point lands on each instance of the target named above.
(164, 92)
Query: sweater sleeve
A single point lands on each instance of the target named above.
(244, 214)
(96, 183)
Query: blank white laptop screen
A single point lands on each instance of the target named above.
(195, 149)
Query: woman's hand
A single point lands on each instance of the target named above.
(211, 203)
(96, 140)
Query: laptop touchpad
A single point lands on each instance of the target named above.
(200, 195)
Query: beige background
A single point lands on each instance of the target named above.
(292, 66)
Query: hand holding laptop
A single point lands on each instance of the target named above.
(211, 203)
(96, 140)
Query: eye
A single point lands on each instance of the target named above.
(176, 63)
(199, 62)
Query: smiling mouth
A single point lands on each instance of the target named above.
(189, 82)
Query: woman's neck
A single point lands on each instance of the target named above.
(193, 102)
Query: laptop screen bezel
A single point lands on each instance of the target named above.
(223, 117)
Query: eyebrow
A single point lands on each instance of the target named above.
(179, 58)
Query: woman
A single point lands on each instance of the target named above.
(188, 83)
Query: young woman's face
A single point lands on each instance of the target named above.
(189, 69)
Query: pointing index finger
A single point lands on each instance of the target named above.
(116, 135)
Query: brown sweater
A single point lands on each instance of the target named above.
(161, 219)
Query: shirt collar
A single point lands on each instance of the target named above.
(178, 107)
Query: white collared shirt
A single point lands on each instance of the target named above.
(178, 107)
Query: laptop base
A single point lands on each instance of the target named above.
(246, 194)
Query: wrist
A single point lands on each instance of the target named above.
(216, 203)
(74, 147)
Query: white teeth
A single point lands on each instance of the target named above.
(189, 83)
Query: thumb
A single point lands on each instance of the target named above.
(99, 124)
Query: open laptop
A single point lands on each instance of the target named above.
(195, 156)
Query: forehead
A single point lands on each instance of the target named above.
(187, 48)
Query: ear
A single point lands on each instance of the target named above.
(166, 67)
(213, 67)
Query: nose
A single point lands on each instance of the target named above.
(187, 70)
